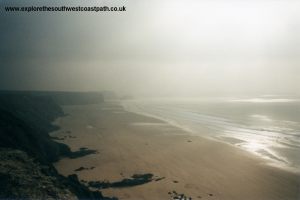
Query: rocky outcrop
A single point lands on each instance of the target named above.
(27, 151)
(23, 177)
(25, 122)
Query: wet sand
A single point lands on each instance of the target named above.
(200, 168)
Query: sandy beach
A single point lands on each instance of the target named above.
(199, 168)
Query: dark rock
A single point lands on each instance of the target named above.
(25, 122)
(136, 179)
(24, 178)
(80, 169)
(81, 152)
(27, 151)
(159, 179)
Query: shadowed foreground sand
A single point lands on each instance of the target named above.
(130, 144)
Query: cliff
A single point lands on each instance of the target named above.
(63, 98)
(27, 151)
(25, 122)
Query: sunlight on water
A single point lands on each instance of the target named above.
(253, 146)
(262, 117)
(269, 128)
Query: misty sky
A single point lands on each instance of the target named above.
(155, 48)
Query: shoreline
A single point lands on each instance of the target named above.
(278, 162)
(131, 144)
(27, 151)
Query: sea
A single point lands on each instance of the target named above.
(267, 126)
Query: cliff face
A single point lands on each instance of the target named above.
(27, 151)
(25, 122)
(75, 98)
(21, 176)
(63, 98)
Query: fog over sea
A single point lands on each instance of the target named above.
(268, 126)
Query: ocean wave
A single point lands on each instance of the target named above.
(258, 133)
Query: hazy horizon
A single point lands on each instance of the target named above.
(157, 48)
